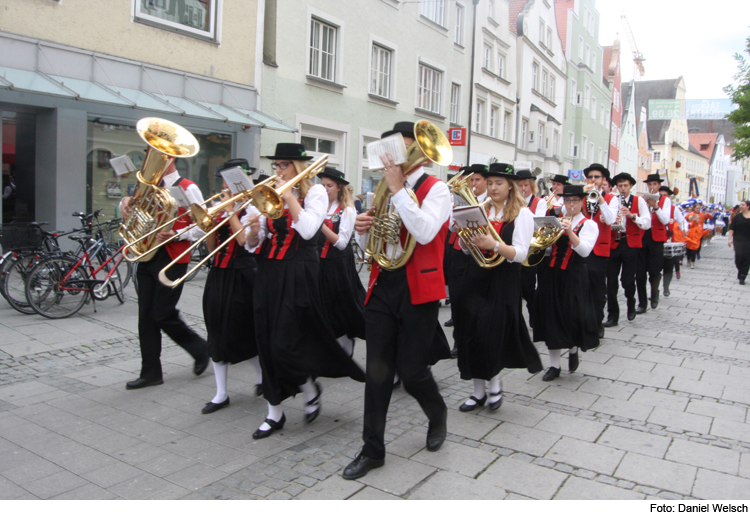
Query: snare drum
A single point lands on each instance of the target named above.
(674, 249)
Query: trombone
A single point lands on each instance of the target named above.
(265, 197)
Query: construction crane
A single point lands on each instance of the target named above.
(637, 55)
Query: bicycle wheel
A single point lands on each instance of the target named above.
(115, 285)
(14, 285)
(5, 263)
(53, 291)
(125, 268)
(359, 257)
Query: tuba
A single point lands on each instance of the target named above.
(430, 145)
(152, 207)
(544, 237)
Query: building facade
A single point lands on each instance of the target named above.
(712, 146)
(628, 133)
(612, 71)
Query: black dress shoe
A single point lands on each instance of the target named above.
(641, 310)
(454, 353)
(397, 383)
(631, 314)
(654, 301)
(310, 417)
(200, 366)
(259, 389)
(573, 362)
(142, 382)
(448, 301)
(465, 407)
(495, 405)
(213, 407)
(436, 433)
(601, 332)
(551, 374)
(275, 426)
(449, 322)
(360, 466)
(666, 293)
(609, 323)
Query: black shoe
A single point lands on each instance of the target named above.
(200, 366)
(496, 404)
(640, 310)
(654, 301)
(259, 389)
(454, 353)
(436, 433)
(609, 323)
(213, 407)
(310, 417)
(573, 362)
(449, 322)
(142, 382)
(551, 374)
(448, 301)
(601, 332)
(666, 294)
(465, 407)
(742, 282)
(275, 426)
(397, 383)
(360, 466)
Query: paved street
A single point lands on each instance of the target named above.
(659, 410)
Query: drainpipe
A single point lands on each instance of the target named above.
(471, 84)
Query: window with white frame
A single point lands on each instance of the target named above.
(455, 102)
(433, 10)
(544, 82)
(540, 136)
(601, 156)
(593, 108)
(318, 144)
(573, 91)
(587, 58)
(487, 57)
(541, 32)
(493, 121)
(492, 12)
(524, 133)
(535, 76)
(591, 152)
(458, 34)
(580, 48)
(501, 65)
(616, 99)
(586, 96)
(478, 116)
(552, 87)
(549, 38)
(380, 71)
(429, 89)
(195, 18)
(657, 156)
(584, 143)
(555, 143)
(601, 115)
(593, 62)
(571, 143)
(506, 125)
(322, 50)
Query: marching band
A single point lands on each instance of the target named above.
(283, 292)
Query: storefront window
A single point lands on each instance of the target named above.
(191, 17)
(18, 165)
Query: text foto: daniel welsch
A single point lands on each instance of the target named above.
(700, 508)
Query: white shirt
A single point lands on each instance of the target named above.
(423, 223)
(311, 217)
(587, 236)
(680, 219)
(346, 225)
(609, 210)
(664, 212)
(643, 218)
(523, 231)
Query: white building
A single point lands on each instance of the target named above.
(711, 145)
(628, 133)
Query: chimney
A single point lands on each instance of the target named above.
(710, 127)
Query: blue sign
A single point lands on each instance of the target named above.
(575, 174)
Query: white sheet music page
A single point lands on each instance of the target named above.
(236, 180)
(179, 196)
(471, 216)
(122, 165)
(393, 144)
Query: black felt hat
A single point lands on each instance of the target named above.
(667, 190)
(574, 190)
(476, 168)
(237, 162)
(333, 174)
(262, 176)
(290, 151)
(598, 167)
(406, 128)
(559, 178)
(525, 174)
(654, 178)
(624, 176)
(504, 170)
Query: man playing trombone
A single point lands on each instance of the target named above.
(651, 255)
(157, 304)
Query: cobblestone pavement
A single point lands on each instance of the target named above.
(659, 410)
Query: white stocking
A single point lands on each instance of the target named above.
(573, 350)
(496, 387)
(275, 412)
(554, 357)
(220, 373)
(311, 392)
(255, 362)
(347, 344)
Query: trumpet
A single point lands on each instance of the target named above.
(265, 197)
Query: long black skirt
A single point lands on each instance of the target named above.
(295, 340)
(563, 313)
(343, 295)
(228, 313)
(490, 331)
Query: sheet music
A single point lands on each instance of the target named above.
(393, 144)
(550, 222)
(179, 196)
(471, 216)
(370, 198)
(649, 196)
(236, 180)
(458, 201)
(122, 165)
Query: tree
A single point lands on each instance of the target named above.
(740, 96)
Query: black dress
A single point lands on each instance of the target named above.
(228, 302)
(740, 227)
(294, 338)
(490, 331)
(341, 289)
(563, 314)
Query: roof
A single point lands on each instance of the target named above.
(516, 6)
(625, 90)
(709, 140)
(561, 16)
(661, 89)
(694, 150)
(720, 126)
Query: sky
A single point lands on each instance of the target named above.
(694, 39)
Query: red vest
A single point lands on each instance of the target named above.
(424, 270)
(533, 205)
(603, 241)
(658, 230)
(175, 249)
(635, 233)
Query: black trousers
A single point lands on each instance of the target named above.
(528, 285)
(622, 258)
(741, 258)
(157, 312)
(650, 263)
(399, 337)
(597, 269)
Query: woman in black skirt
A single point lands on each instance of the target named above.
(228, 302)
(739, 237)
(341, 290)
(490, 331)
(295, 340)
(563, 313)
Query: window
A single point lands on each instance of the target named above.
(478, 117)
(591, 153)
(571, 143)
(580, 48)
(428, 93)
(601, 115)
(540, 135)
(549, 38)
(544, 83)
(573, 98)
(555, 142)
(541, 32)
(195, 18)
(587, 59)
(593, 62)
(319, 145)
(322, 50)
(433, 10)
(487, 58)
(601, 156)
(584, 142)
(593, 108)
(458, 34)
(551, 87)
(657, 157)
(492, 10)
(524, 132)
(493, 121)
(501, 65)
(380, 73)
(506, 125)
(535, 76)
(455, 102)
(616, 99)
(586, 97)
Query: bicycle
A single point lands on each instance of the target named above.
(359, 255)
